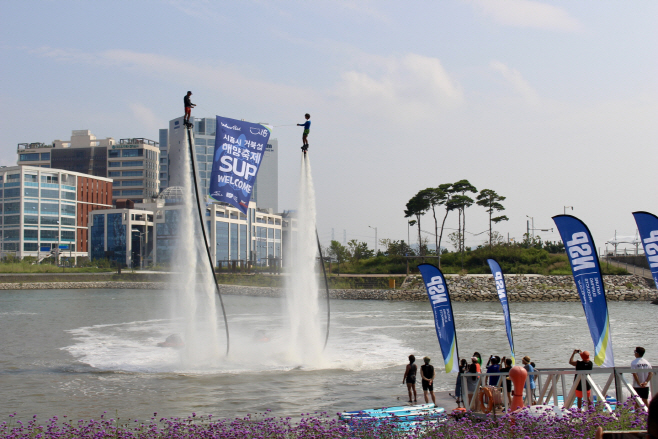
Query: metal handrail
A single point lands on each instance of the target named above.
(549, 390)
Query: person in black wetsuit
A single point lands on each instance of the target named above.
(427, 373)
(307, 129)
(410, 378)
(188, 107)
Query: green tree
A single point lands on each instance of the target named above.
(436, 197)
(461, 202)
(359, 250)
(417, 206)
(396, 248)
(339, 252)
(490, 200)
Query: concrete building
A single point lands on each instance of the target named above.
(133, 163)
(45, 209)
(266, 187)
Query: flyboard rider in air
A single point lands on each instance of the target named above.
(188, 108)
(307, 128)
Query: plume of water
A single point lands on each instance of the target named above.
(305, 340)
(193, 290)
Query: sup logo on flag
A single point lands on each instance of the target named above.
(239, 151)
(444, 321)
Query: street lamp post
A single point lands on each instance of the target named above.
(567, 207)
(376, 237)
(533, 227)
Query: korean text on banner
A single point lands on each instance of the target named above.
(647, 225)
(501, 289)
(444, 321)
(587, 275)
(239, 150)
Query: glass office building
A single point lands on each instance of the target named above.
(124, 236)
(45, 209)
(132, 163)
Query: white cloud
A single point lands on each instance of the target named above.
(146, 117)
(517, 81)
(528, 13)
(407, 85)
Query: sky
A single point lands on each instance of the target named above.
(548, 103)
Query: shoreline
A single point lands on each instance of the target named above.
(531, 288)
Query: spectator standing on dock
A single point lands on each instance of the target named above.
(585, 364)
(459, 393)
(507, 362)
(410, 378)
(493, 366)
(527, 366)
(427, 374)
(479, 357)
(641, 379)
(471, 382)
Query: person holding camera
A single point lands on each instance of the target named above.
(585, 364)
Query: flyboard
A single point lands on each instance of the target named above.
(189, 127)
(324, 271)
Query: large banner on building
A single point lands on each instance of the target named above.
(501, 289)
(586, 271)
(444, 321)
(239, 151)
(647, 225)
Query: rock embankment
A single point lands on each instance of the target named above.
(475, 288)
(530, 288)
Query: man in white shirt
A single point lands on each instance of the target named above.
(641, 379)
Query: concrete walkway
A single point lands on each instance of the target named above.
(632, 269)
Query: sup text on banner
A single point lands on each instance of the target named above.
(586, 271)
(647, 225)
(501, 289)
(444, 321)
(239, 150)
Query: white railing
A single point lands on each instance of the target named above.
(549, 381)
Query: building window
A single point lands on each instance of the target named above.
(49, 220)
(234, 242)
(30, 235)
(200, 142)
(116, 237)
(50, 209)
(116, 193)
(30, 219)
(46, 178)
(13, 177)
(45, 156)
(12, 234)
(113, 153)
(30, 178)
(132, 183)
(132, 153)
(14, 207)
(12, 220)
(134, 192)
(30, 246)
(133, 173)
(68, 209)
(49, 234)
(97, 237)
(68, 221)
(68, 195)
(29, 157)
(114, 164)
(49, 193)
(114, 174)
(132, 163)
(13, 192)
(31, 192)
(68, 235)
(222, 240)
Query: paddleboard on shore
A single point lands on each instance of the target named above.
(368, 412)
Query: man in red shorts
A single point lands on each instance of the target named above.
(188, 108)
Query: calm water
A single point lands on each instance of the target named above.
(82, 352)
